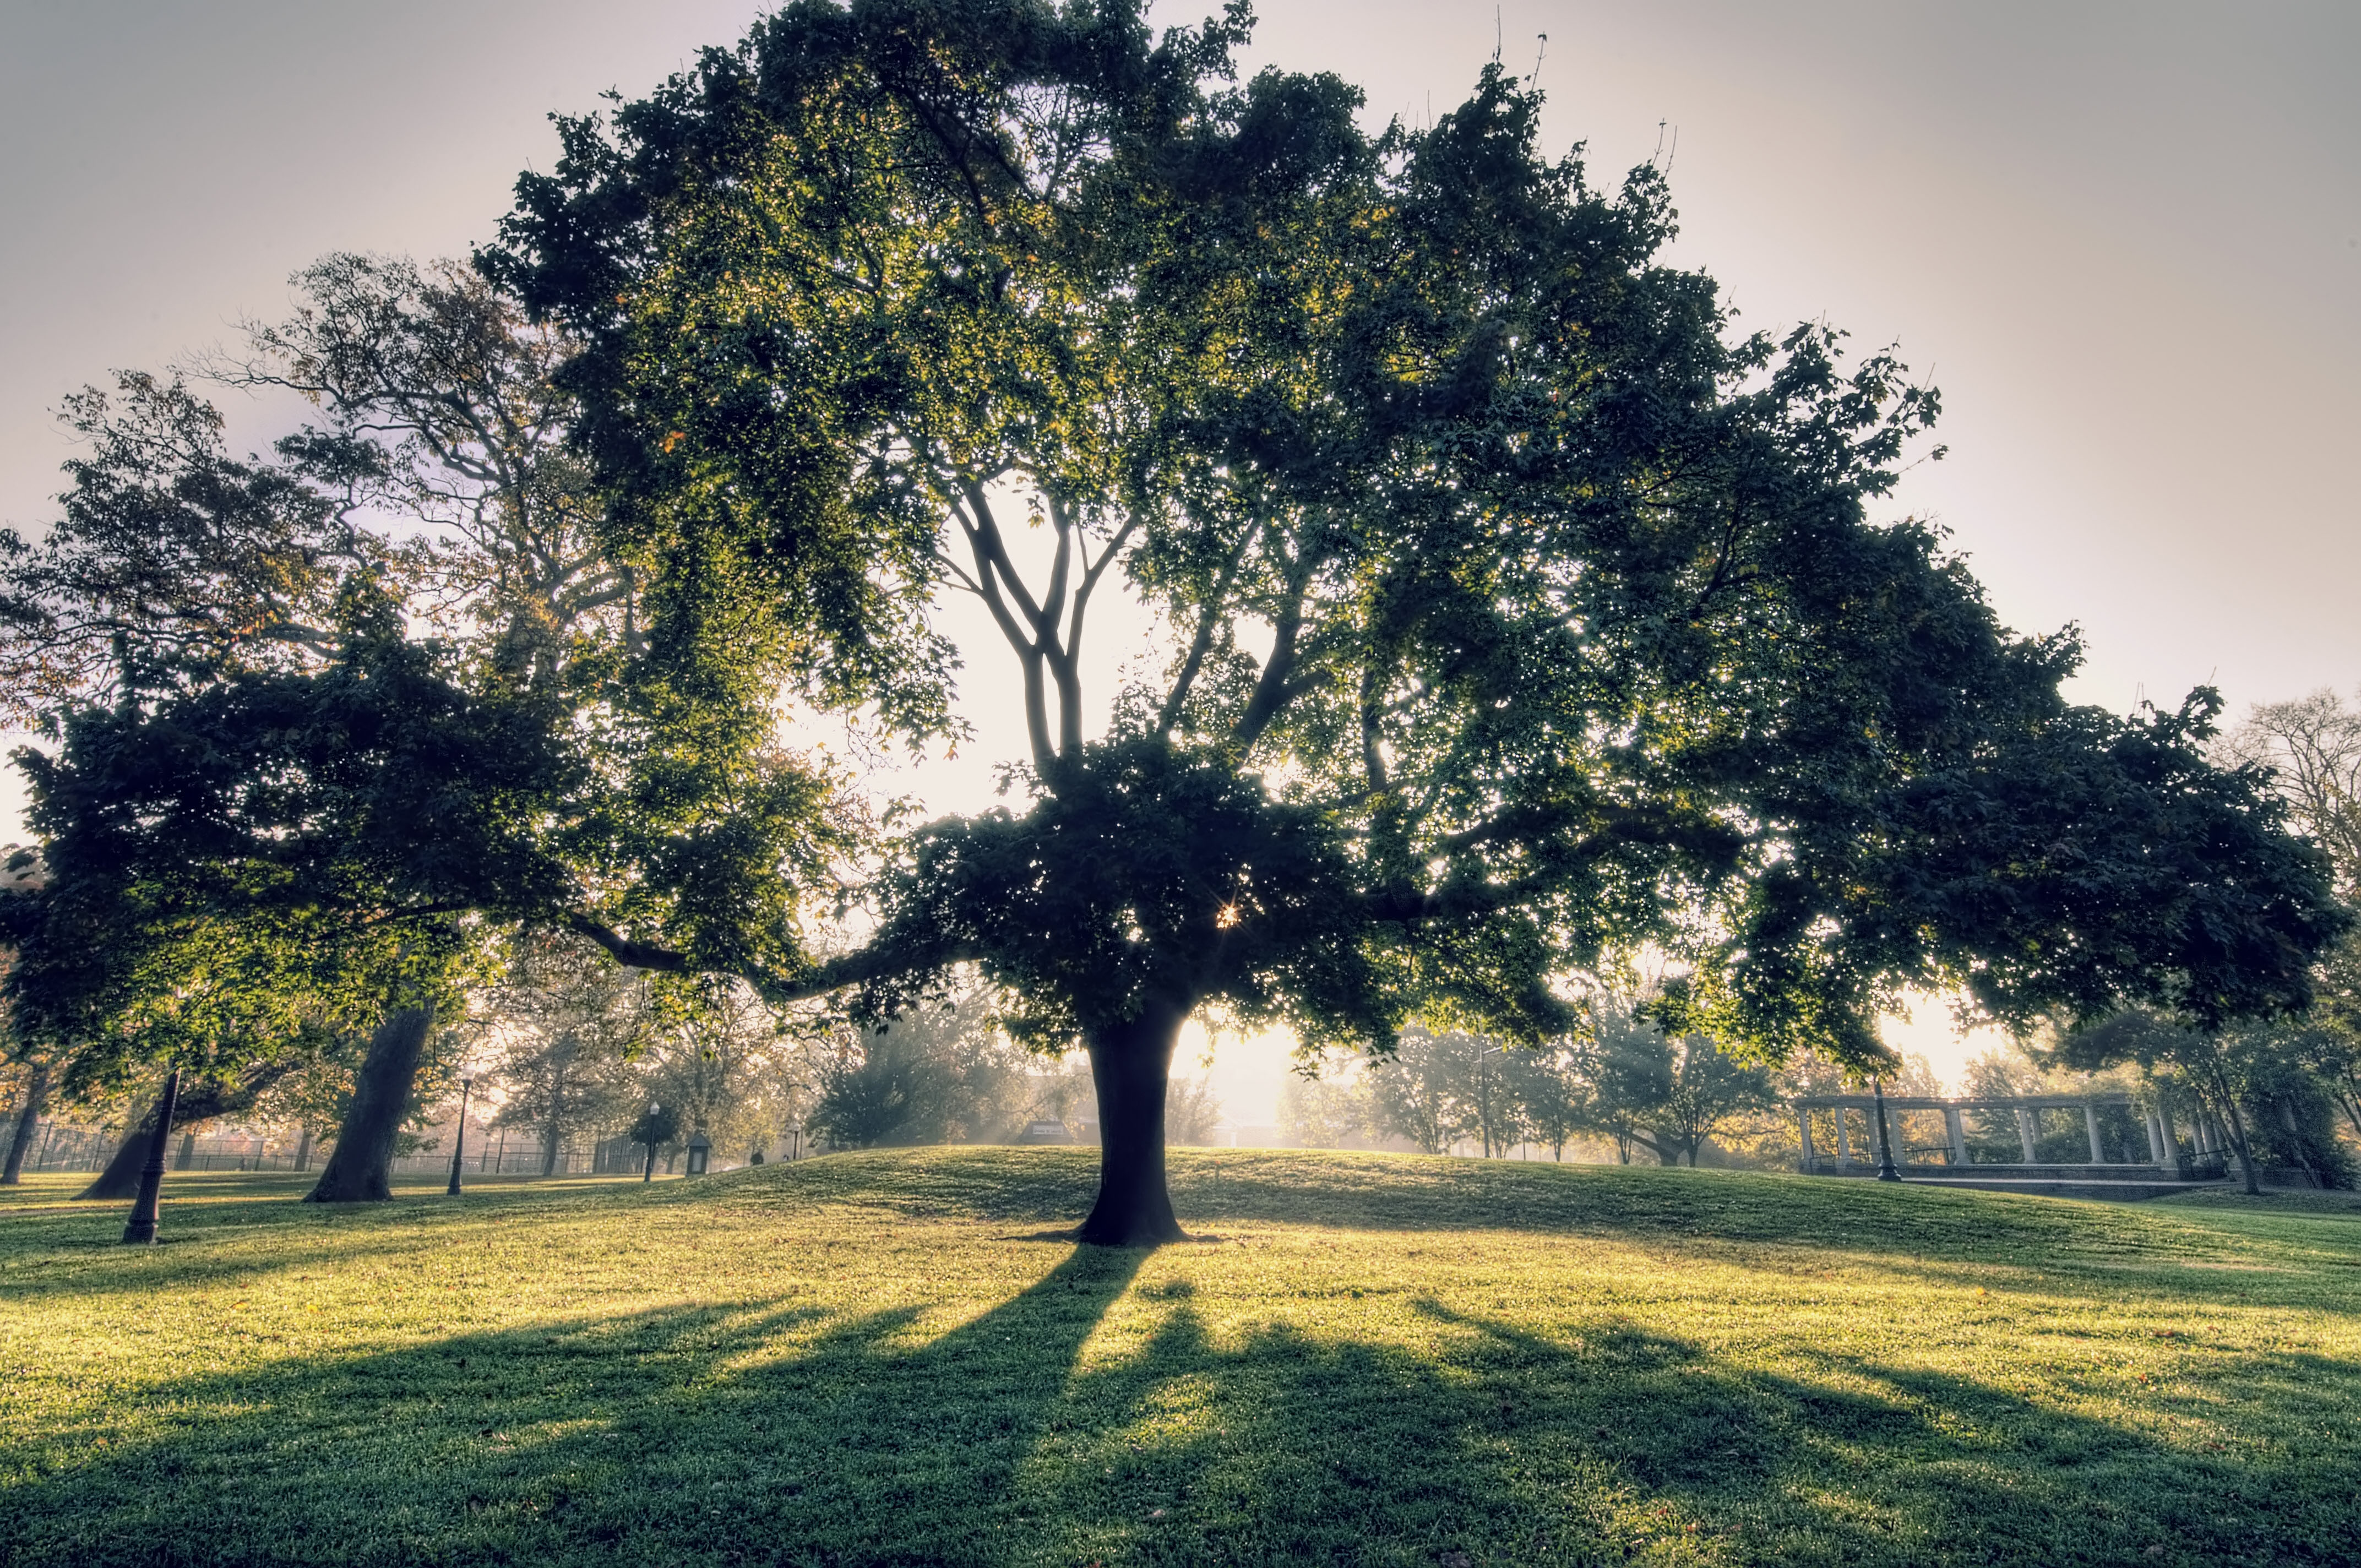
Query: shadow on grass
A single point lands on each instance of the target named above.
(769, 1432)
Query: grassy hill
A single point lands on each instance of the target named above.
(893, 1358)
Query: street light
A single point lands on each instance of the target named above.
(1885, 1168)
(141, 1230)
(459, 1143)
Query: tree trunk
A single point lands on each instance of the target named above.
(2238, 1123)
(1131, 1065)
(304, 1151)
(361, 1168)
(2245, 1156)
(29, 1115)
(554, 1131)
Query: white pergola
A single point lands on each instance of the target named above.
(2163, 1140)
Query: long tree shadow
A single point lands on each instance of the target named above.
(1067, 1425)
(767, 1432)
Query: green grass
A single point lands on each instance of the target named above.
(891, 1358)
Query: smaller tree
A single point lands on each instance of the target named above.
(1190, 1110)
(1553, 1098)
(1711, 1090)
(940, 1074)
(2169, 1050)
(570, 1020)
(1327, 1113)
(1668, 1095)
(1411, 1092)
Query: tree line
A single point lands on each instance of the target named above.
(1522, 616)
(1622, 1082)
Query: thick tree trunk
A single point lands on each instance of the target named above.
(361, 1168)
(29, 1116)
(304, 1151)
(1131, 1065)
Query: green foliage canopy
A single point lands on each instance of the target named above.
(1521, 613)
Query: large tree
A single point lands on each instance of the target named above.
(1521, 611)
(399, 626)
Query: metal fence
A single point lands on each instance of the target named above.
(60, 1146)
(54, 1146)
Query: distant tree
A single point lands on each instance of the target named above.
(2272, 1070)
(1553, 1099)
(1325, 1113)
(1442, 1086)
(1412, 1091)
(723, 1059)
(1712, 1091)
(1664, 1093)
(1490, 1110)
(2313, 746)
(1192, 1111)
(2004, 1074)
(570, 1020)
(935, 1075)
(1626, 1066)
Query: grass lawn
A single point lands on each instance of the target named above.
(891, 1358)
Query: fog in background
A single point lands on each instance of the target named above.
(2125, 240)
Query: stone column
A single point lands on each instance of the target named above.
(2155, 1140)
(1954, 1125)
(2024, 1131)
(1803, 1126)
(2091, 1122)
(1844, 1141)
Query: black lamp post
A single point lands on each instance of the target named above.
(1885, 1168)
(459, 1142)
(141, 1230)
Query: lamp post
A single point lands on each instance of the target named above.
(1885, 1168)
(141, 1230)
(459, 1141)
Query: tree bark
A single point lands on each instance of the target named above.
(1131, 1066)
(360, 1170)
(29, 1115)
(304, 1151)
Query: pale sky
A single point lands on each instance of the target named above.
(2125, 240)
